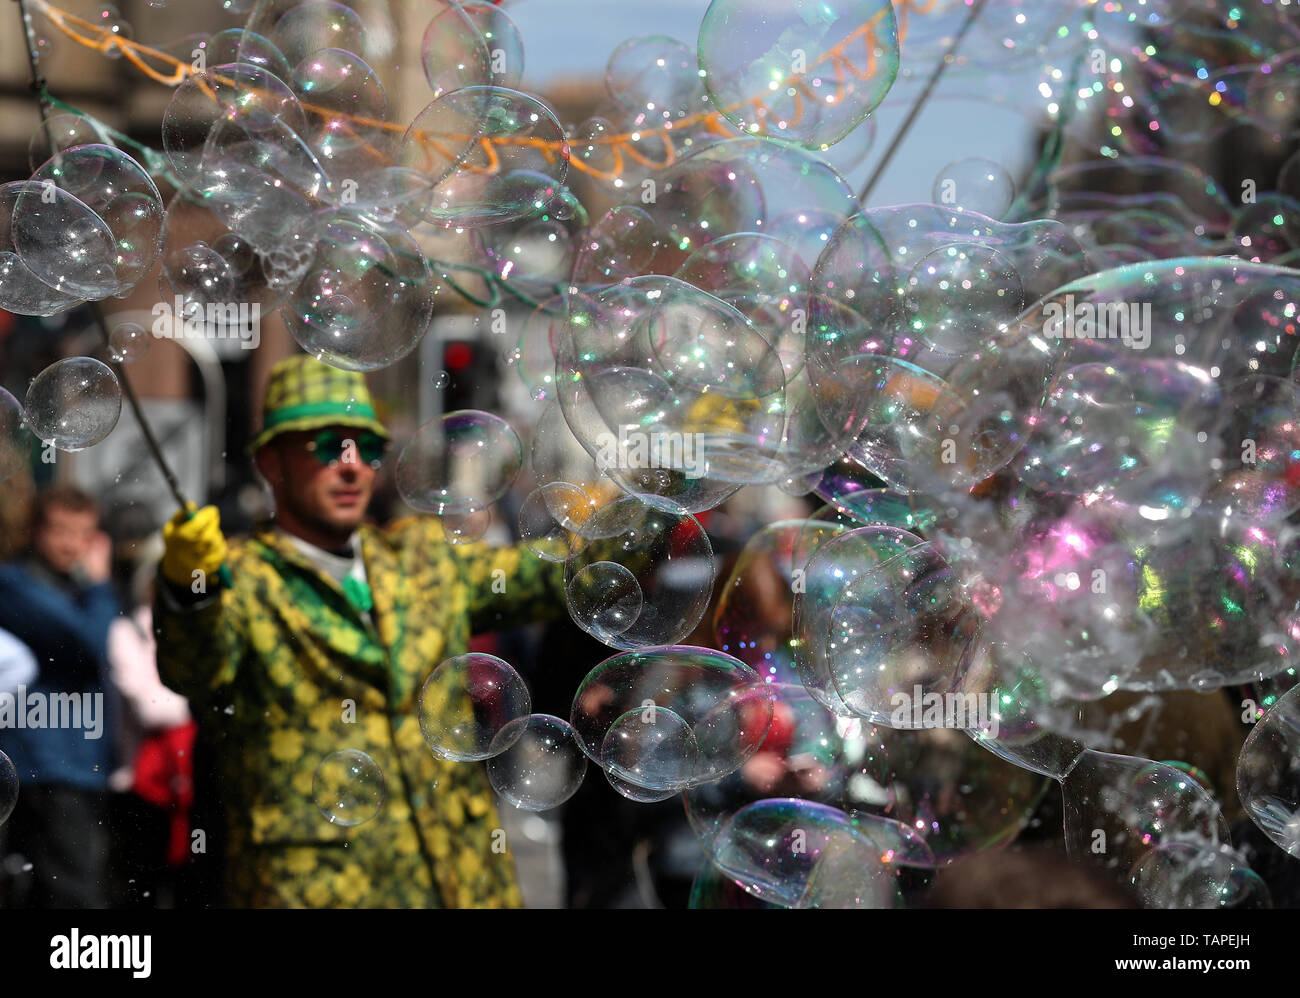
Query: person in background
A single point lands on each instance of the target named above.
(59, 601)
(320, 642)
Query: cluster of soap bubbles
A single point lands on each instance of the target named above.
(1053, 415)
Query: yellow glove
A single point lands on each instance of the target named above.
(193, 542)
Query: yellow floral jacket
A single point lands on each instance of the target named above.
(282, 671)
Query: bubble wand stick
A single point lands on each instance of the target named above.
(38, 87)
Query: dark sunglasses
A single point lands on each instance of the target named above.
(329, 447)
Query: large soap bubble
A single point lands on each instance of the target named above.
(640, 573)
(74, 403)
(777, 70)
(467, 702)
(718, 714)
(1268, 773)
(461, 462)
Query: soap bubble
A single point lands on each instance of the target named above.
(655, 79)
(346, 108)
(1183, 876)
(1137, 805)
(605, 599)
(364, 301)
(236, 45)
(453, 51)
(21, 290)
(975, 184)
(8, 787)
(639, 550)
(494, 155)
(1268, 773)
(66, 131)
(722, 702)
(64, 243)
(119, 191)
(958, 288)
(306, 28)
(536, 763)
(829, 571)
(128, 342)
(792, 852)
(467, 702)
(461, 462)
(549, 515)
(959, 798)
(348, 788)
(651, 748)
(505, 47)
(15, 443)
(241, 100)
(773, 70)
(466, 528)
(74, 403)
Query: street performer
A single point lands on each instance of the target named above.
(321, 643)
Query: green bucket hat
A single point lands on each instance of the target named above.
(307, 394)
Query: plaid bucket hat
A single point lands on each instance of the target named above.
(307, 394)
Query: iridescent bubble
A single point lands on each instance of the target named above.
(348, 788)
(960, 290)
(459, 463)
(347, 109)
(239, 99)
(1183, 876)
(828, 571)
(63, 242)
(306, 28)
(467, 702)
(975, 184)
(775, 70)
(790, 852)
(8, 787)
(959, 799)
(536, 762)
(505, 47)
(639, 546)
(1135, 805)
(1259, 477)
(1268, 773)
(494, 155)
(453, 50)
(237, 45)
(901, 631)
(74, 403)
(128, 342)
(115, 187)
(655, 79)
(549, 516)
(723, 703)
(364, 301)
